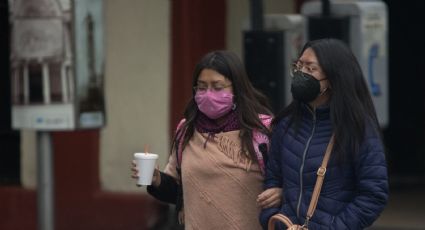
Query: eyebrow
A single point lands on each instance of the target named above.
(308, 62)
(213, 82)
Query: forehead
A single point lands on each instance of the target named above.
(210, 75)
(309, 57)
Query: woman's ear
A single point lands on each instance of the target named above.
(329, 86)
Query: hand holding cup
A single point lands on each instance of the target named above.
(144, 169)
(156, 178)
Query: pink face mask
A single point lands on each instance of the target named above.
(214, 104)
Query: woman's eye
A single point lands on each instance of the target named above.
(200, 88)
(218, 88)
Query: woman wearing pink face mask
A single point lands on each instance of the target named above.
(216, 168)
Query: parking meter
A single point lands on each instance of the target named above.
(363, 25)
(268, 55)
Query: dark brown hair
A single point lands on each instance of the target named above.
(249, 102)
(351, 106)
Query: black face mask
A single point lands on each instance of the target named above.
(304, 87)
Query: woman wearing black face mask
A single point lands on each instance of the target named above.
(330, 98)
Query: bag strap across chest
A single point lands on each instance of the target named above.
(314, 198)
(319, 181)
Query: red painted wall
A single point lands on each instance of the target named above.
(17, 208)
(198, 26)
(79, 201)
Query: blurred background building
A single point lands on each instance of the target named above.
(150, 49)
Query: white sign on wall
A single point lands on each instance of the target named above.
(57, 64)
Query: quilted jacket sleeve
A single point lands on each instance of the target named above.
(372, 187)
(273, 176)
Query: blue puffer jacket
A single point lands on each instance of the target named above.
(353, 195)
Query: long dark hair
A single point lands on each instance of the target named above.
(249, 102)
(351, 106)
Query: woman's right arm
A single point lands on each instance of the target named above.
(167, 189)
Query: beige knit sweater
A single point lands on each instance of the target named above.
(220, 184)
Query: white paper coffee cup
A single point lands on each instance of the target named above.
(145, 165)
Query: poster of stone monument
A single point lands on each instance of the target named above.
(57, 64)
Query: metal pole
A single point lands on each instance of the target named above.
(326, 8)
(256, 10)
(45, 193)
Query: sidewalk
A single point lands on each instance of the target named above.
(405, 210)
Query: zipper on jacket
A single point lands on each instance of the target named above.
(303, 161)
